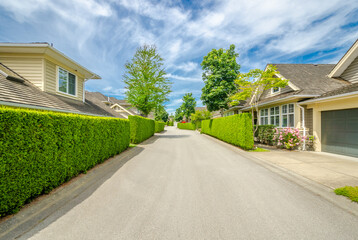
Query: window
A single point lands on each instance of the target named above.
(264, 116)
(275, 116)
(288, 115)
(275, 90)
(66, 82)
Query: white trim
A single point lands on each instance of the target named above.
(116, 104)
(83, 91)
(330, 98)
(277, 92)
(282, 99)
(290, 84)
(58, 86)
(288, 113)
(345, 61)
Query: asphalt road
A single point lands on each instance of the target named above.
(187, 186)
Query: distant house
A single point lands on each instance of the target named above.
(320, 99)
(36, 75)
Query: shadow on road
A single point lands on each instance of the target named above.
(159, 136)
(48, 208)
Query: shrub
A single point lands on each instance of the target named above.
(141, 128)
(265, 134)
(187, 126)
(170, 123)
(288, 138)
(348, 191)
(159, 126)
(236, 129)
(40, 150)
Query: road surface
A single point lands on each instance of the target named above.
(184, 185)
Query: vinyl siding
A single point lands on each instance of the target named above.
(267, 93)
(28, 67)
(351, 73)
(51, 81)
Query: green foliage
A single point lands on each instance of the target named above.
(179, 114)
(259, 150)
(236, 129)
(159, 126)
(187, 126)
(141, 128)
(265, 134)
(145, 80)
(41, 150)
(170, 123)
(220, 70)
(198, 116)
(188, 105)
(160, 114)
(348, 191)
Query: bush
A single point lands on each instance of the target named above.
(141, 128)
(348, 191)
(170, 123)
(187, 126)
(159, 126)
(288, 137)
(265, 134)
(236, 129)
(40, 150)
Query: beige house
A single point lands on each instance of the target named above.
(320, 99)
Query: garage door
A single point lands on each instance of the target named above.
(340, 132)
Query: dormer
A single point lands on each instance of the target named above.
(47, 68)
(347, 67)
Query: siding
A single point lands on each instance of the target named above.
(267, 93)
(351, 73)
(28, 67)
(308, 119)
(51, 81)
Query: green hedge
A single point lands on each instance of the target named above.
(170, 123)
(40, 150)
(188, 126)
(159, 126)
(265, 134)
(236, 129)
(141, 128)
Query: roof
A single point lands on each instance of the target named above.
(311, 78)
(18, 91)
(49, 50)
(343, 90)
(200, 108)
(345, 61)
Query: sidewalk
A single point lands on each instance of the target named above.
(331, 170)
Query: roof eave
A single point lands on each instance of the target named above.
(345, 61)
(330, 98)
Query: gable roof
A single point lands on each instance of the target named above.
(345, 61)
(19, 92)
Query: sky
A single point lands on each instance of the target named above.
(103, 35)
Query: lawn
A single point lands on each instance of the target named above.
(259, 150)
(349, 192)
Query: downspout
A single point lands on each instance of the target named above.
(303, 126)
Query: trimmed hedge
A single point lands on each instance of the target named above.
(159, 126)
(265, 134)
(40, 150)
(141, 128)
(187, 126)
(236, 129)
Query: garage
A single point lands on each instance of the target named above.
(340, 132)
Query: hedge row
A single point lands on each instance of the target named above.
(188, 126)
(41, 150)
(141, 128)
(159, 126)
(236, 129)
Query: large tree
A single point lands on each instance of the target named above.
(178, 114)
(251, 85)
(188, 105)
(220, 70)
(146, 84)
(161, 114)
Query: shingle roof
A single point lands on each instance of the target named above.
(25, 93)
(346, 89)
(200, 109)
(311, 78)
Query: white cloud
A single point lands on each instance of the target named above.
(180, 78)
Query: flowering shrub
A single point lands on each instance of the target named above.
(287, 137)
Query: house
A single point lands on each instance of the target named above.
(36, 75)
(320, 99)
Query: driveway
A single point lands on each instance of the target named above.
(183, 185)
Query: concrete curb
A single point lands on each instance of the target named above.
(308, 184)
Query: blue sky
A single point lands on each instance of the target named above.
(103, 35)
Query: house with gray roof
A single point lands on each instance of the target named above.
(320, 99)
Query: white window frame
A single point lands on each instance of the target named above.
(288, 113)
(266, 116)
(275, 115)
(58, 82)
(275, 92)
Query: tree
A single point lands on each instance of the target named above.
(220, 71)
(160, 114)
(199, 116)
(252, 84)
(178, 115)
(146, 84)
(188, 105)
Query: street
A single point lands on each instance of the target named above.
(187, 186)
